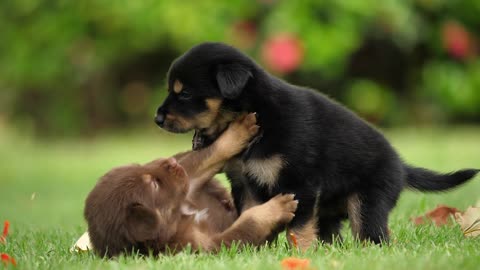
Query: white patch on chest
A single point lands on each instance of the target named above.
(199, 215)
(265, 171)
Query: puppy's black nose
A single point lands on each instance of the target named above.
(160, 119)
(161, 115)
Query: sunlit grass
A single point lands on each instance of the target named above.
(44, 185)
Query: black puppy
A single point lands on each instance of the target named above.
(338, 165)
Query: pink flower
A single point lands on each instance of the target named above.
(283, 53)
(457, 40)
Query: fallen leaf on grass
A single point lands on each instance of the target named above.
(469, 221)
(294, 240)
(82, 244)
(292, 263)
(6, 259)
(3, 237)
(439, 216)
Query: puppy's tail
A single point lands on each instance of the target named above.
(426, 180)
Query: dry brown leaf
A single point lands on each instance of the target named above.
(439, 216)
(469, 221)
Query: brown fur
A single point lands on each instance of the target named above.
(158, 206)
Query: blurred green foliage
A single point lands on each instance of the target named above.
(73, 67)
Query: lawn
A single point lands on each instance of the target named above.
(44, 185)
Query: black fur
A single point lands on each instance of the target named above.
(231, 79)
(427, 180)
(330, 153)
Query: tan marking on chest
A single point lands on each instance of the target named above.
(177, 86)
(265, 171)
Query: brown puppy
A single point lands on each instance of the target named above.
(166, 205)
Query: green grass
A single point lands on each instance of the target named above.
(44, 185)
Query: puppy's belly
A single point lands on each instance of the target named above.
(212, 198)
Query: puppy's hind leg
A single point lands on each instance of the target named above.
(302, 231)
(368, 208)
(329, 229)
(330, 216)
(368, 214)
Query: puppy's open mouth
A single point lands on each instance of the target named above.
(201, 139)
(198, 140)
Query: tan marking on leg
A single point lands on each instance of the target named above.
(265, 171)
(305, 236)
(177, 86)
(354, 214)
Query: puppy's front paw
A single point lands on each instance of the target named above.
(238, 134)
(244, 127)
(249, 124)
(285, 206)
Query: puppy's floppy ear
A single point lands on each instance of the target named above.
(142, 222)
(232, 78)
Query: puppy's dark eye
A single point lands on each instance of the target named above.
(185, 95)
